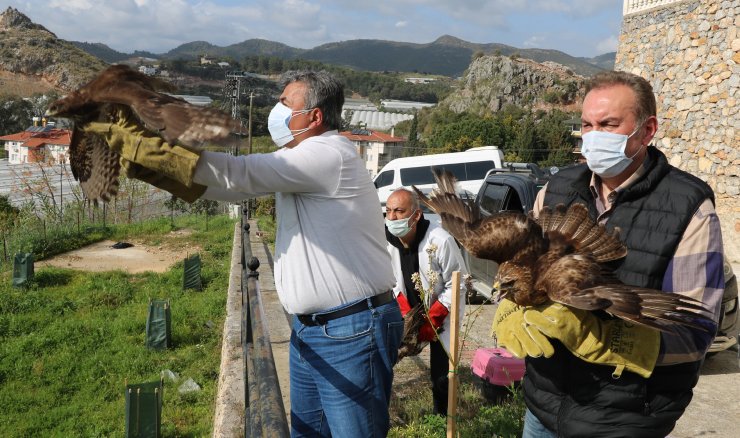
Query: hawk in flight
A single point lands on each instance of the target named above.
(560, 257)
(122, 90)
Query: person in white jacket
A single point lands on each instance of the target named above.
(417, 245)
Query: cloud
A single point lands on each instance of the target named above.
(400, 24)
(609, 44)
(534, 41)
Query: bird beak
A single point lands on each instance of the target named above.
(498, 294)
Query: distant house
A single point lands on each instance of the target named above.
(38, 144)
(375, 148)
(148, 70)
(224, 64)
(574, 125)
(205, 59)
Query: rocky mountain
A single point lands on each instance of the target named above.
(493, 81)
(30, 54)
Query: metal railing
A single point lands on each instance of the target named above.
(264, 413)
(632, 6)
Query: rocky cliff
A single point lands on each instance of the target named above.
(29, 52)
(491, 82)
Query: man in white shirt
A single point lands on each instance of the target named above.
(332, 270)
(418, 245)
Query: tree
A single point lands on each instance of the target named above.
(16, 114)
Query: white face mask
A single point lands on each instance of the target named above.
(604, 152)
(399, 227)
(277, 124)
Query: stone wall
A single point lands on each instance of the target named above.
(690, 52)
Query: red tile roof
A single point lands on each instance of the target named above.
(373, 136)
(32, 139)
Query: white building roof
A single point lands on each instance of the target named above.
(377, 120)
(404, 105)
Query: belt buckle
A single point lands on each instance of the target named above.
(319, 319)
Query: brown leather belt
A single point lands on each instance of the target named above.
(315, 319)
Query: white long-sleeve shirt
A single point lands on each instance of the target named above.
(439, 257)
(330, 243)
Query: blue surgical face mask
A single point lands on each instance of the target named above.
(277, 124)
(399, 227)
(604, 152)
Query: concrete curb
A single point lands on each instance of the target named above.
(229, 417)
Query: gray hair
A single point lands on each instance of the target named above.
(323, 91)
(414, 197)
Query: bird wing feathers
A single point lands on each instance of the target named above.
(565, 251)
(102, 99)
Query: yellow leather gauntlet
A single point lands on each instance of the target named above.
(613, 342)
(187, 194)
(134, 143)
(512, 332)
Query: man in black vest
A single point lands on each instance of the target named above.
(667, 220)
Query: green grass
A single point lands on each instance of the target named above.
(70, 342)
(477, 416)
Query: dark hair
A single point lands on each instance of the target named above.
(644, 97)
(323, 91)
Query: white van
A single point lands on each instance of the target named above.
(470, 168)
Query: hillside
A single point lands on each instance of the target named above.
(31, 55)
(495, 81)
(237, 51)
(447, 55)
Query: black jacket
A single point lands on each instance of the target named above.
(579, 399)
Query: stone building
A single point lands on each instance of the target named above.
(689, 50)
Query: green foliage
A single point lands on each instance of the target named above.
(69, 343)
(374, 85)
(15, 114)
(476, 415)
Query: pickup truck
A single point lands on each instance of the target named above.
(515, 188)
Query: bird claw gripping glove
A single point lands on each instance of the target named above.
(435, 318)
(187, 194)
(613, 342)
(516, 335)
(134, 143)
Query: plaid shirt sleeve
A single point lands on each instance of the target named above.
(695, 271)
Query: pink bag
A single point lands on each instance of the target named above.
(497, 366)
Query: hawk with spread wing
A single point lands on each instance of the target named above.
(122, 90)
(560, 257)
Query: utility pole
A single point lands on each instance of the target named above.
(249, 127)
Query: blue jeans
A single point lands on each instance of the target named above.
(533, 428)
(341, 373)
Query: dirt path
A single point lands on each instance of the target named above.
(140, 257)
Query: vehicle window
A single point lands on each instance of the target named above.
(384, 179)
(462, 171)
(495, 198)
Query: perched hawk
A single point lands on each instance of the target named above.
(122, 89)
(558, 257)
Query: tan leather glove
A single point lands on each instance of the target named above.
(134, 143)
(516, 335)
(613, 342)
(187, 194)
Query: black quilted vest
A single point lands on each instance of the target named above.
(578, 399)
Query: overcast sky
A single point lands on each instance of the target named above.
(577, 27)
